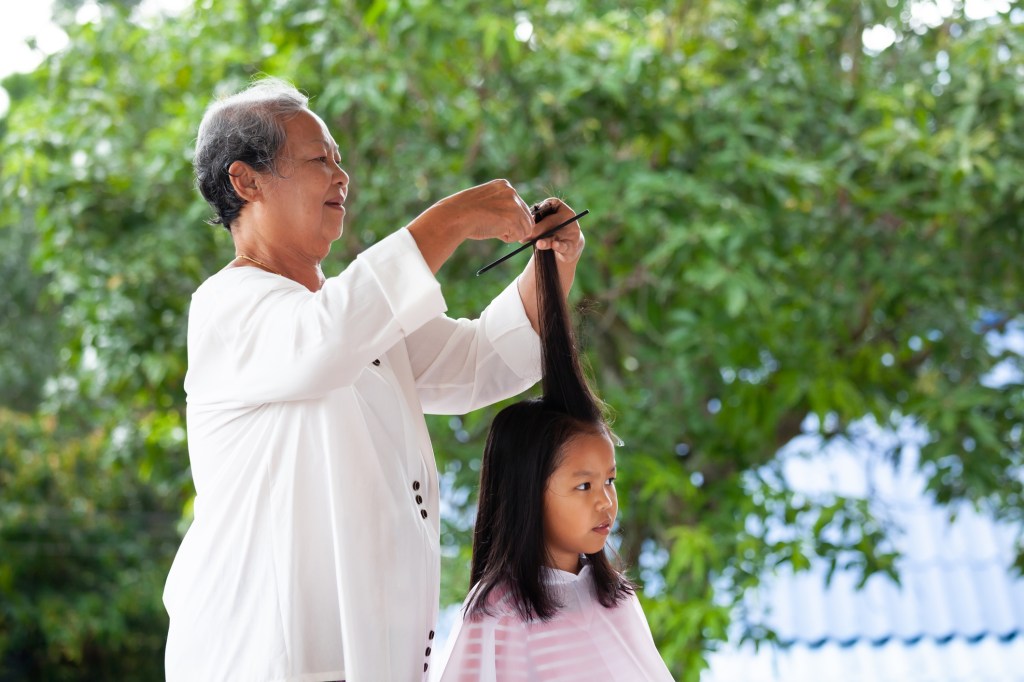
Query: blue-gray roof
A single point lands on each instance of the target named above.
(956, 583)
(958, 614)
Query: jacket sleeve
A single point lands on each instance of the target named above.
(463, 365)
(266, 339)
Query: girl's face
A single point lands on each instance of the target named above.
(580, 502)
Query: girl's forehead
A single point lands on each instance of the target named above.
(589, 452)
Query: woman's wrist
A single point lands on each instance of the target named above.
(436, 235)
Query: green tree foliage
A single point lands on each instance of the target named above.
(788, 232)
(78, 537)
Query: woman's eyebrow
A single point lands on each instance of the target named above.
(321, 142)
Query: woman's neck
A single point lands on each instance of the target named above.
(279, 261)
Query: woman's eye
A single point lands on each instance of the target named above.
(321, 159)
(583, 486)
(610, 481)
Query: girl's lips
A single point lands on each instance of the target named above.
(603, 529)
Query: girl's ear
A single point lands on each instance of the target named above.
(245, 180)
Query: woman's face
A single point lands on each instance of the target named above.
(303, 203)
(580, 503)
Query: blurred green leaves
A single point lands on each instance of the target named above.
(785, 230)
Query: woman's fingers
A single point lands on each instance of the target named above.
(493, 210)
(568, 241)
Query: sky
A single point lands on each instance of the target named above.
(25, 19)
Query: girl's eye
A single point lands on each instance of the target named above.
(610, 481)
(583, 486)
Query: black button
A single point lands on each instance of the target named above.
(419, 500)
(423, 513)
(376, 363)
(415, 485)
(431, 635)
(428, 651)
(425, 666)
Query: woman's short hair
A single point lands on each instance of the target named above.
(247, 126)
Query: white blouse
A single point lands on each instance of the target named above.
(314, 550)
(584, 642)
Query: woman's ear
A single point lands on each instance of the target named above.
(245, 180)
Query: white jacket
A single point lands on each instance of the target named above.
(314, 550)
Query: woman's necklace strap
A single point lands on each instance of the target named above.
(259, 263)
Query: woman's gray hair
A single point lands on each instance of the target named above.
(247, 126)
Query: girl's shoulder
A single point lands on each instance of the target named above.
(498, 607)
(571, 592)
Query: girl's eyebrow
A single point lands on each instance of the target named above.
(581, 473)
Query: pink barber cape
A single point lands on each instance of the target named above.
(585, 641)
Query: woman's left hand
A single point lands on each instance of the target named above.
(568, 242)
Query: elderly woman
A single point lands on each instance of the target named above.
(314, 551)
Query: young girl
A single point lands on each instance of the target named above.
(546, 603)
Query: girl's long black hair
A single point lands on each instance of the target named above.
(523, 448)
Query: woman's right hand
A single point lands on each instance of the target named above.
(493, 210)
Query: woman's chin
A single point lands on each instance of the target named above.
(333, 233)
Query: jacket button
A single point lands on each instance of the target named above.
(431, 635)
(419, 500)
(415, 485)
(428, 651)
(376, 363)
(423, 513)
(425, 666)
